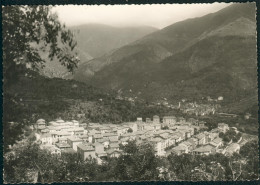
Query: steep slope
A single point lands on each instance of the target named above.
(212, 55)
(95, 40)
(171, 39)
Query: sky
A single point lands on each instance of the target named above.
(155, 15)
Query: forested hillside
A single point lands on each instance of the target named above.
(34, 96)
(95, 40)
(214, 55)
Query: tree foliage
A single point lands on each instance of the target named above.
(28, 163)
(230, 135)
(29, 30)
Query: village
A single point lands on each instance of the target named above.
(99, 141)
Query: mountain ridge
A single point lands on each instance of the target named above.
(187, 53)
(94, 40)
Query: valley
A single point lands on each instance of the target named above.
(96, 102)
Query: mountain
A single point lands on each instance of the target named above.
(94, 40)
(213, 55)
(98, 39)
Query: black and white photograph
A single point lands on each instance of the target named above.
(130, 93)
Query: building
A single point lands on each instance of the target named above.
(193, 121)
(68, 151)
(148, 120)
(60, 121)
(182, 120)
(100, 152)
(52, 149)
(169, 120)
(97, 137)
(40, 123)
(114, 146)
(180, 149)
(193, 142)
(139, 120)
(109, 134)
(86, 151)
(105, 142)
(122, 130)
(159, 146)
(62, 140)
(141, 126)
(73, 142)
(187, 145)
(113, 153)
(204, 150)
(202, 124)
(201, 139)
(44, 131)
(133, 126)
(220, 98)
(113, 139)
(217, 142)
(232, 148)
(62, 146)
(223, 127)
(46, 138)
(84, 137)
(78, 131)
(62, 134)
(156, 119)
(104, 129)
(75, 123)
(247, 115)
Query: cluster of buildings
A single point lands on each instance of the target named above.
(100, 141)
(198, 109)
(206, 143)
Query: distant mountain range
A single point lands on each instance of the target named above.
(95, 40)
(98, 39)
(214, 55)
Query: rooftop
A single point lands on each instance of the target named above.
(62, 145)
(217, 140)
(83, 136)
(111, 150)
(60, 121)
(97, 144)
(103, 140)
(63, 133)
(85, 147)
(40, 120)
(169, 117)
(69, 150)
(109, 134)
(45, 135)
(206, 148)
(179, 148)
(114, 145)
(74, 139)
(232, 148)
(200, 136)
(113, 139)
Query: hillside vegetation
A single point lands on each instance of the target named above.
(214, 55)
(33, 97)
(95, 40)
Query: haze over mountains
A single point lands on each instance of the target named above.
(94, 40)
(211, 55)
(98, 39)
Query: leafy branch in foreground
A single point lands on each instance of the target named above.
(30, 30)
